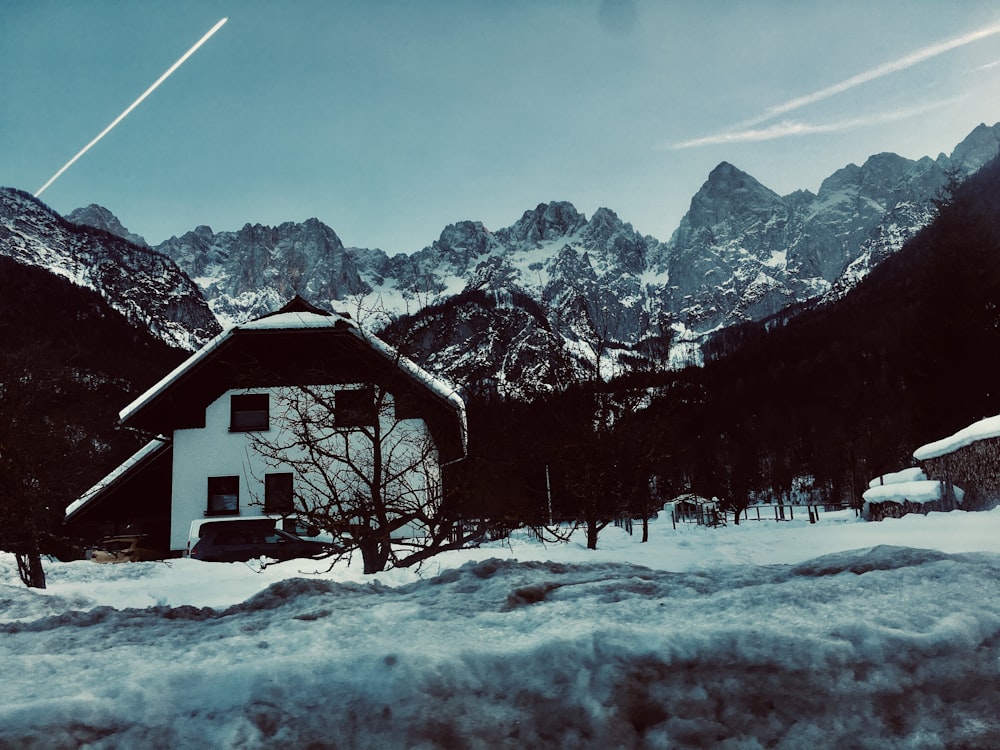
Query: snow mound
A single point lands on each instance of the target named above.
(728, 638)
(882, 557)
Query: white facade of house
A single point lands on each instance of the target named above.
(217, 451)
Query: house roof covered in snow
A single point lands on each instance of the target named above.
(981, 430)
(298, 344)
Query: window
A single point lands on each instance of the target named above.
(354, 407)
(248, 412)
(407, 405)
(278, 493)
(223, 496)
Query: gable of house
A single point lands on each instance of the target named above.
(297, 348)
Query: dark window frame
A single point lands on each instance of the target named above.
(223, 496)
(354, 407)
(407, 405)
(249, 412)
(279, 492)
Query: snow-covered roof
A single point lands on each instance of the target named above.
(914, 474)
(300, 319)
(981, 430)
(147, 451)
(918, 491)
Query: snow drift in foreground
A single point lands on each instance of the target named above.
(880, 647)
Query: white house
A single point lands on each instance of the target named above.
(226, 427)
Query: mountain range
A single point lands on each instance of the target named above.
(553, 297)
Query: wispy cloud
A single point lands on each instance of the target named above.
(787, 128)
(748, 130)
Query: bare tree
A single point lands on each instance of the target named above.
(364, 470)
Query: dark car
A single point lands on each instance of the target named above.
(239, 543)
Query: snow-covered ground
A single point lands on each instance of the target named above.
(842, 634)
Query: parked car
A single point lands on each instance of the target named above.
(201, 526)
(126, 548)
(239, 542)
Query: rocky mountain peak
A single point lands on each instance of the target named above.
(99, 217)
(730, 196)
(615, 241)
(460, 244)
(979, 147)
(548, 221)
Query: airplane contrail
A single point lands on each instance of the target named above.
(134, 104)
(748, 130)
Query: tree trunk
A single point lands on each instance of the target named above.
(645, 528)
(29, 567)
(374, 554)
(592, 531)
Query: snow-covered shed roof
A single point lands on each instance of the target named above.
(913, 474)
(920, 491)
(981, 430)
(286, 347)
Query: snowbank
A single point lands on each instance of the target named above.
(729, 638)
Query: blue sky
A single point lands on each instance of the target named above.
(389, 120)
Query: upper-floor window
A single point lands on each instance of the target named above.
(354, 407)
(248, 412)
(223, 496)
(407, 405)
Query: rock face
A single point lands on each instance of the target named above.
(253, 271)
(145, 286)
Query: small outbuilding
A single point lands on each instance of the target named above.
(908, 491)
(970, 459)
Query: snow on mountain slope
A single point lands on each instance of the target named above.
(145, 286)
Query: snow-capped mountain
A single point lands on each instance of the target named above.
(563, 290)
(556, 292)
(145, 286)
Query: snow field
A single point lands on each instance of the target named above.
(766, 635)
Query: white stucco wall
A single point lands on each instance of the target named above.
(214, 451)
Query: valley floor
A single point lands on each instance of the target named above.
(838, 634)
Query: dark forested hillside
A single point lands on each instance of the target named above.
(68, 364)
(846, 391)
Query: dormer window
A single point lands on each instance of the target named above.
(248, 413)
